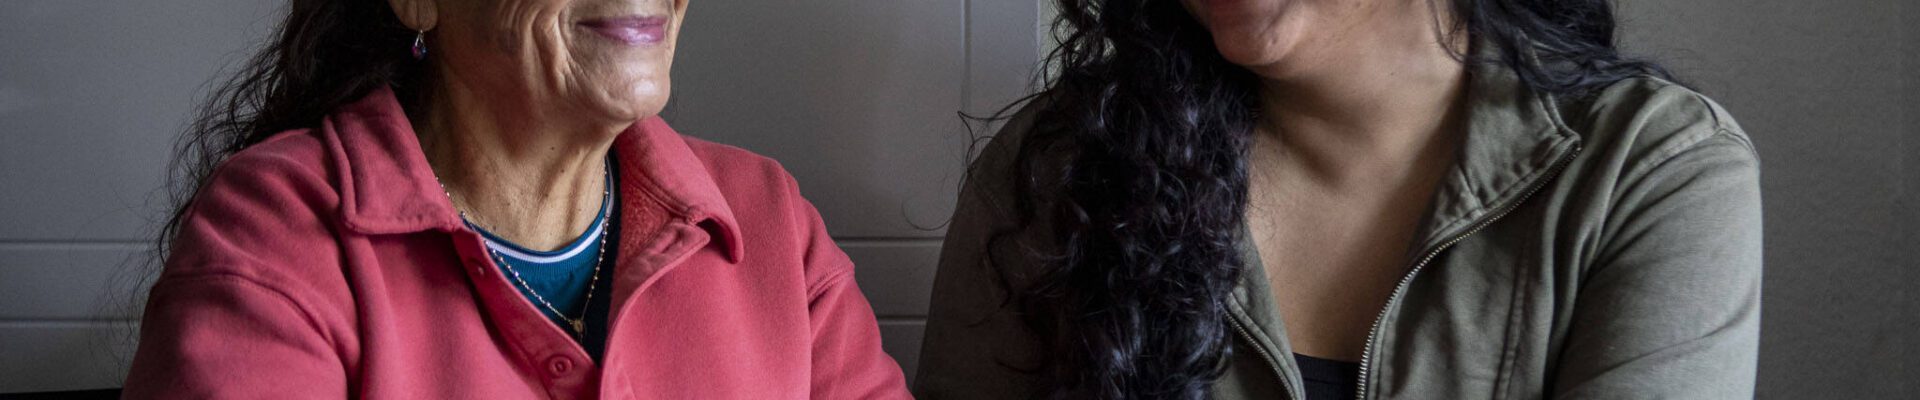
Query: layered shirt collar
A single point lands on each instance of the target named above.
(1515, 139)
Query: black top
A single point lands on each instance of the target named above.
(1328, 379)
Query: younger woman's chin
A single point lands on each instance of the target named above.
(1251, 57)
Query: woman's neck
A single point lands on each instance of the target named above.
(521, 176)
(1368, 111)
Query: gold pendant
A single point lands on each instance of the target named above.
(579, 326)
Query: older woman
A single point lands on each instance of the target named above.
(475, 199)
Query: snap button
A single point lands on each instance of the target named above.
(560, 365)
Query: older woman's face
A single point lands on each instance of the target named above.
(574, 59)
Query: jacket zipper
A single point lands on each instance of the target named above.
(1373, 333)
(1272, 363)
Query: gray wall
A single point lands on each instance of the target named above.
(858, 100)
(91, 93)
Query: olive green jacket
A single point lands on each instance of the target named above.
(1604, 248)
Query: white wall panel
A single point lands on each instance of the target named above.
(92, 94)
(60, 356)
(69, 281)
(896, 275)
(1003, 49)
(858, 99)
(901, 339)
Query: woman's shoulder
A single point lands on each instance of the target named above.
(718, 157)
(740, 173)
(996, 159)
(758, 191)
(264, 202)
(290, 169)
(1657, 152)
(774, 220)
(257, 241)
(1647, 121)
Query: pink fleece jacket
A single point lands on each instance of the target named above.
(327, 263)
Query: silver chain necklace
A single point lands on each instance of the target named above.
(579, 325)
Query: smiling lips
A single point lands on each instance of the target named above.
(629, 30)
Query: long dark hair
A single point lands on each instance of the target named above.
(325, 54)
(1137, 158)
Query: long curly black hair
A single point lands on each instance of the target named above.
(1137, 156)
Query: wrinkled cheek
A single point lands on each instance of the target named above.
(548, 48)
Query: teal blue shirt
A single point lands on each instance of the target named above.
(562, 276)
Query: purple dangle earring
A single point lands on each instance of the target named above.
(420, 45)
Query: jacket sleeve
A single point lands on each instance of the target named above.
(976, 346)
(226, 336)
(848, 361)
(239, 310)
(1670, 306)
